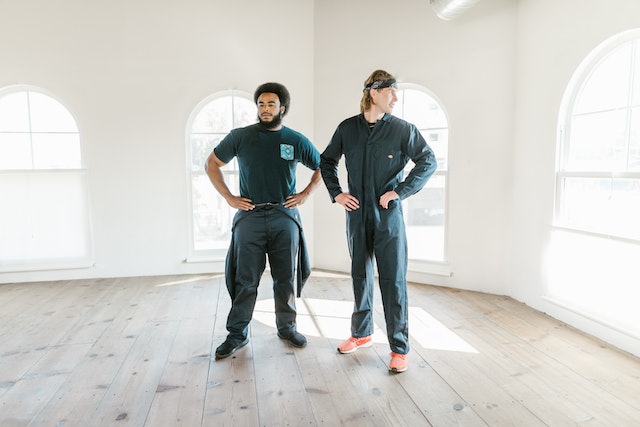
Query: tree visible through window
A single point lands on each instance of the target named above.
(44, 220)
(425, 212)
(211, 121)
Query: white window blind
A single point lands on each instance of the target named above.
(44, 220)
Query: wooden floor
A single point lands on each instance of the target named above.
(137, 352)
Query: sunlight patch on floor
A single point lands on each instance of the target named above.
(332, 319)
(190, 280)
(430, 333)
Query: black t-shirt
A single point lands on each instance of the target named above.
(267, 160)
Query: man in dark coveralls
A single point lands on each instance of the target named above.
(377, 146)
(267, 223)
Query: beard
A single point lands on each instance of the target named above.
(274, 123)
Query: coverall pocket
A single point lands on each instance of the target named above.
(389, 160)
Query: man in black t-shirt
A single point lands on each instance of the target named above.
(267, 223)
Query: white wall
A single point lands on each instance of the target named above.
(131, 72)
(553, 38)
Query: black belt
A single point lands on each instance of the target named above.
(266, 205)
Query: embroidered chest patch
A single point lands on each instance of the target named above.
(286, 151)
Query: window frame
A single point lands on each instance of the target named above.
(434, 266)
(566, 115)
(79, 173)
(207, 255)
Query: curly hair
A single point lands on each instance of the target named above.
(278, 89)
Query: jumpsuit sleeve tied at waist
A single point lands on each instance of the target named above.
(303, 270)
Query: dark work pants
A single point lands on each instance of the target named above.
(373, 231)
(264, 232)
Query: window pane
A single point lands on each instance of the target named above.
(14, 112)
(438, 140)
(244, 112)
(212, 215)
(598, 142)
(609, 206)
(417, 109)
(48, 217)
(56, 151)
(608, 85)
(422, 110)
(424, 217)
(44, 220)
(634, 140)
(48, 115)
(398, 110)
(15, 151)
(215, 117)
(636, 76)
(201, 147)
(425, 211)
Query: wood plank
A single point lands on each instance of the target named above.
(328, 389)
(40, 326)
(34, 390)
(45, 317)
(521, 381)
(138, 352)
(129, 396)
(179, 399)
(85, 388)
(230, 398)
(387, 402)
(280, 391)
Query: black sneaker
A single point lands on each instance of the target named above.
(227, 348)
(295, 338)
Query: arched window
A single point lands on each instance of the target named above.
(210, 215)
(598, 172)
(44, 220)
(425, 212)
(591, 260)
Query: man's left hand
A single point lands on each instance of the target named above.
(295, 200)
(387, 197)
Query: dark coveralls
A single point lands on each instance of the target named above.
(267, 163)
(375, 160)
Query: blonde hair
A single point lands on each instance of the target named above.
(365, 102)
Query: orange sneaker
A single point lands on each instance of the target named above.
(351, 344)
(399, 363)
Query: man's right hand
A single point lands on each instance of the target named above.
(347, 201)
(241, 203)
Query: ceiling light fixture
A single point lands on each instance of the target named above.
(450, 9)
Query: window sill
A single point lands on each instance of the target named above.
(569, 229)
(199, 259)
(47, 266)
(430, 267)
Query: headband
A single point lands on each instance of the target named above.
(381, 84)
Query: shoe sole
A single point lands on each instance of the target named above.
(224, 356)
(396, 370)
(365, 345)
